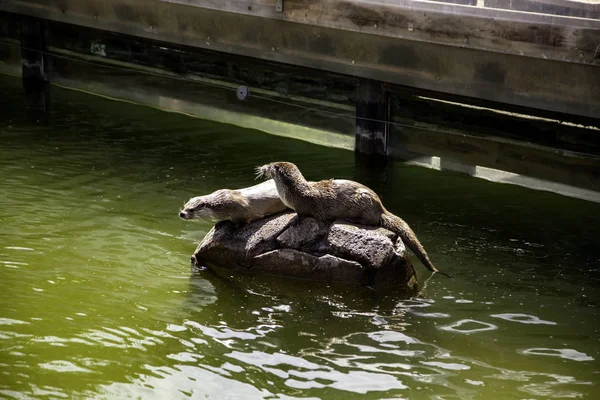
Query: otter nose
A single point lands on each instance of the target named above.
(182, 215)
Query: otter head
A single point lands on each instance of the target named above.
(288, 180)
(197, 208)
(264, 171)
(280, 170)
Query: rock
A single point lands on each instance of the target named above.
(371, 246)
(337, 252)
(306, 234)
(303, 265)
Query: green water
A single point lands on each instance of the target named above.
(97, 299)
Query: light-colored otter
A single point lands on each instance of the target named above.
(333, 199)
(238, 206)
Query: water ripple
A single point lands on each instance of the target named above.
(9, 321)
(391, 336)
(522, 318)
(568, 354)
(63, 366)
(185, 380)
(483, 326)
(448, 366)
(315, 375)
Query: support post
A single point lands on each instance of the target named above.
(34, 67)
(372, 113)
(372, 110)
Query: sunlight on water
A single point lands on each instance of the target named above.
(98, 299)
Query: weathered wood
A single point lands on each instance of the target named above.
(569, 8)
(533, 60)
(289, 81)
(557, 131)
(371, 118)
(553, 165)
(465, 2)
(503, 30)
(33, 67)
(210, 99)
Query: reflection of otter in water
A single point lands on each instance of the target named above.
(239, 206)
(331, 199)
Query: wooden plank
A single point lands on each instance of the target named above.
(569, 8)
(342, 39)
(555, 165)
(549, 130)
(291, 82)
(502, 30)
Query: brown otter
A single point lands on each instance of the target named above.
(333, 199)
(238, 206)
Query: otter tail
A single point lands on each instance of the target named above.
(401, 228)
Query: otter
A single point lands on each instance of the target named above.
(333, 199)
(238, 206)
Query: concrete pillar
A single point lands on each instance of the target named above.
(34, 67)
(372, 110)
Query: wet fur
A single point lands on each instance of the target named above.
(333, 199)
(238, 206)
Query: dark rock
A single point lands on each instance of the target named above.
(340, 251)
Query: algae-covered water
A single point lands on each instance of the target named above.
(97, 298)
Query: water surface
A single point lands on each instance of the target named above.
(97, 298)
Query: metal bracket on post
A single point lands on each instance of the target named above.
(279, 5)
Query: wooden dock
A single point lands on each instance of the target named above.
(543, 61)
(378, 61)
